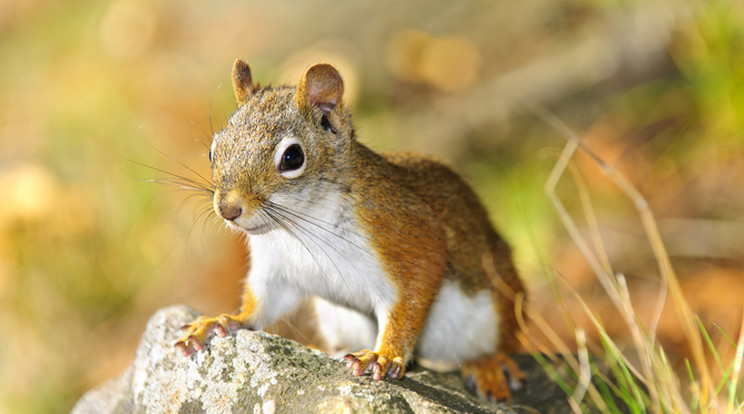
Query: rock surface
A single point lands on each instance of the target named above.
(262, 373)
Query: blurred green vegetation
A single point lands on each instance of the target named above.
(89, 91)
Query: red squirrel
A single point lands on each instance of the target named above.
(393, 246)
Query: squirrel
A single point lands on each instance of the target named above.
(396, 247)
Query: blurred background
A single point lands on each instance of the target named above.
(97, 97)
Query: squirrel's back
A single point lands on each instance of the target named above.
(470, 236)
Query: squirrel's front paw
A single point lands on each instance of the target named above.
(360, 362)
(202, 328)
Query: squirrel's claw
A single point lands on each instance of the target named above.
(360, 361)
(382, 365)
(184, 348)
(202, 328)
(397, 368)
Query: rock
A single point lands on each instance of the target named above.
(262, 373)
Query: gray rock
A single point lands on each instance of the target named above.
(261, 373)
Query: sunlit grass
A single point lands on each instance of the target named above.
(642, 377)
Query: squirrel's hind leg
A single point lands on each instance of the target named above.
(487, 376)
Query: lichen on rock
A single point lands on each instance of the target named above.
(262, 373)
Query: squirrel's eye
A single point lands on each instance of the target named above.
(293, 159)
(289, 158)
(326, 124)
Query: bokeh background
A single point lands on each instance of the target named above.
(96, 97)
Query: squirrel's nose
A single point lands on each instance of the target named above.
(229, 211)
(232, 205)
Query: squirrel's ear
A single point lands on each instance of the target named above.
(322, 86)
(242, 82)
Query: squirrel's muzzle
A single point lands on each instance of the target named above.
(239, 210)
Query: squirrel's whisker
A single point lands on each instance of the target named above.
(315, 223)
(277, 217)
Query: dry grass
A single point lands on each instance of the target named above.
(642, 376)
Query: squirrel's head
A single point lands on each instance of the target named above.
(282, 150)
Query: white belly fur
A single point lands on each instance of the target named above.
(328, 258)
(459, 328)
(344, 330)
(332, 259)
